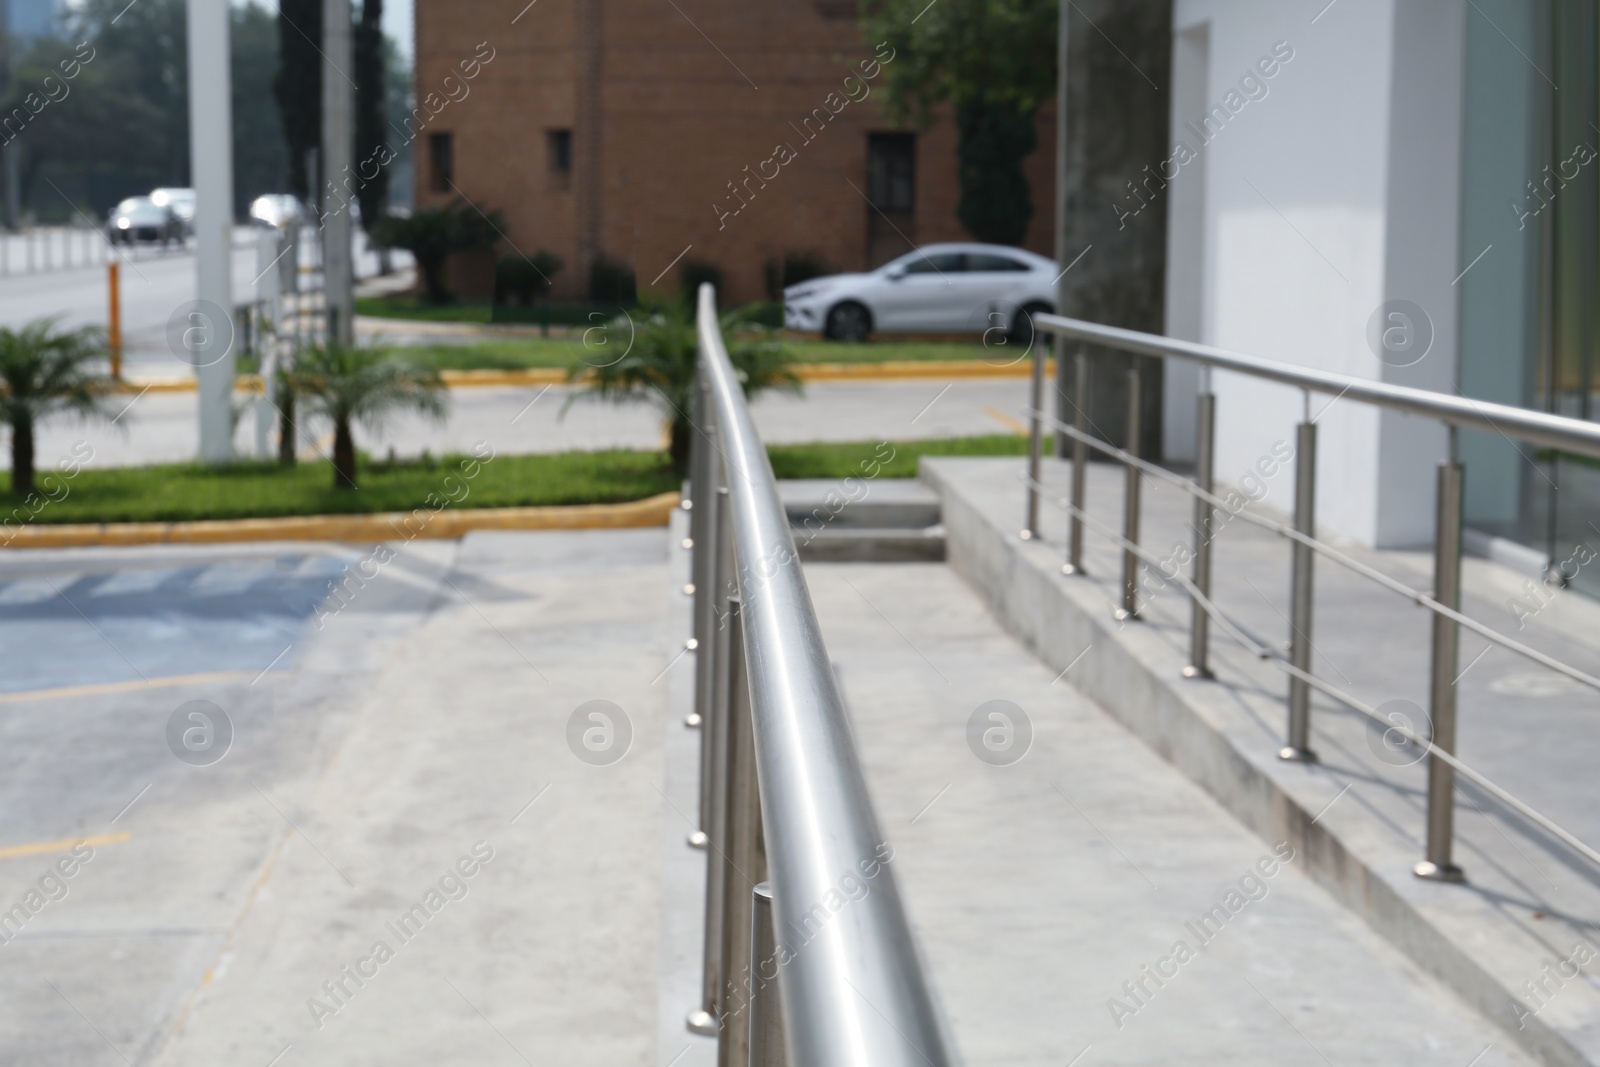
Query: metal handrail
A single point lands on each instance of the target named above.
(853, 992)
(1535, 427)
(1344, 559)
(1444, 602)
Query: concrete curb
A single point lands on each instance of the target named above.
(445, 524)
(1130, 674)
(891, 370)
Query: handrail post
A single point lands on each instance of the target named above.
(1446, 654)
(1030, 524)
(702, 524)
(745, 863)
(1130, 506)
(766, 1007)
(1300, 597)
(1080, 462)
(714, 769)
(1205, 518)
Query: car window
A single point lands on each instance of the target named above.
(938, 263)
(982, 261)
(131, 204)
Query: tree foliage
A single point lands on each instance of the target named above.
(362, 385)
(371, 103)
(298, 87)
(657, 364)
(431, 234)
(996, 61)
(119, 124)
(45, 371)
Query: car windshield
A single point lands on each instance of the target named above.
(133, 203)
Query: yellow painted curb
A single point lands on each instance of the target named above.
(902, 369)
(892, 370)
(386, 526)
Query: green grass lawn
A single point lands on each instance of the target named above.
(405, 307)
(178, 492)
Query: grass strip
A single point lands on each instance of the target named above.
(251, 489)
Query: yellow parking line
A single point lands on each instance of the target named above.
(38, 847)
(120, 687)
(1005, 420)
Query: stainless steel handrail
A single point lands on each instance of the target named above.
(850, 983)
(1444, 603)
(1535, 427)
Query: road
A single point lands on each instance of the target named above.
(162, 428)
(155, 285)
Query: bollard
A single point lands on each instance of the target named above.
(114, 328)
(766, 1006)
(1300, 598)
(1030, 525)
(1446, 654)
(1204, 518)
(1080, 462)
(1130, 507)
(745, 863)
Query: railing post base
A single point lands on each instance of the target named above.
(1433, 872)
(702, 1022)
(1203, 673)
(1290, 754)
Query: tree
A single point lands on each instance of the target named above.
(371, 104)
(996, 60)
(350, 385)
(45, 371)
(431, 234)
(658, 365)
(298, 87)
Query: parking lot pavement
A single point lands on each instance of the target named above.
(163, 427)
(356, 755)
(106, 659)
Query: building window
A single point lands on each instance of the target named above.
(442, 161)
(559, 149)
(892, 192)
(892, 171)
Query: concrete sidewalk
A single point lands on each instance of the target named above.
(468, 887)
(1529, 901)
(1042, 889)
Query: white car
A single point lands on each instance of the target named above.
(945, 288)
(181, 201)
(277, 210)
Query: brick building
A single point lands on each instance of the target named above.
(665, 132)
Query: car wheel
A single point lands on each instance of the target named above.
(1021, 333)
(849, 321)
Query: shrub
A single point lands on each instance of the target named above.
(523, 279)
(794, 268)
(693, 273)
(612, 282)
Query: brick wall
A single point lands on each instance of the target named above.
(684, 109)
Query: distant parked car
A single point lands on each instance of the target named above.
(181, 201)
(139, 218)
(277, 210)
(945, 288)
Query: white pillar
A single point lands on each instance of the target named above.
(338, 144)
(207, 326)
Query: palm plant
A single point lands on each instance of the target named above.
(658, 364)
(350, 385)
(45, 371)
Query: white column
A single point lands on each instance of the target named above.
(338, 188)
(208, 327)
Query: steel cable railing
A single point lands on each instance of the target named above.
(1444, 603)
(801, 900)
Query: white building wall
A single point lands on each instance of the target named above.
(1331, 193)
